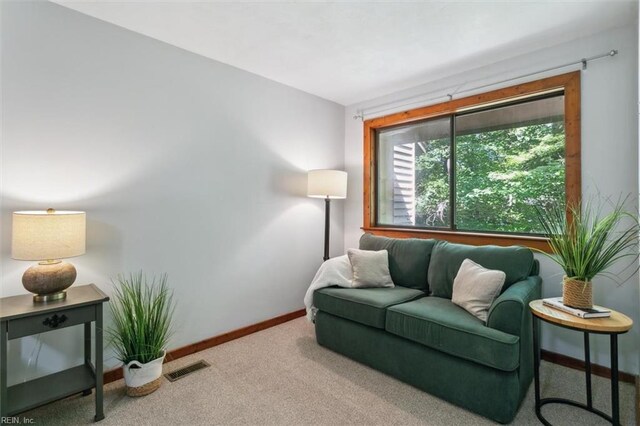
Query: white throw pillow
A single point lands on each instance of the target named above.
(370, 268)
(475, 288)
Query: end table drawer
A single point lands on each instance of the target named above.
(52, 321)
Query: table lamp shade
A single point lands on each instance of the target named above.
(327, 184)
(42, 235)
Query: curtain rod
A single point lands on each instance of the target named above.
(584, 61)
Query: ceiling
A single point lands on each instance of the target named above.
(351, 51)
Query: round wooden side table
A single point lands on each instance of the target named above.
(617, 323)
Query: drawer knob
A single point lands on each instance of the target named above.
(55, 320)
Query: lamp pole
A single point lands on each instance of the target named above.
(327, 184)
(327, 221)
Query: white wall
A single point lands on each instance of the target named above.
(184, 165)
(609, 159)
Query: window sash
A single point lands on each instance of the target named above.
(452, 135)
(569, 84)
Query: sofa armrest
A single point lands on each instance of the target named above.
(510, 311)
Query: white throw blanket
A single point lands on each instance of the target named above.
(336, 271)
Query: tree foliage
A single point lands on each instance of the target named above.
(500, 178)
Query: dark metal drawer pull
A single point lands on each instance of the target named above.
(55, 320)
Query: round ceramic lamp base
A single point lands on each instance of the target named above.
(49, 280)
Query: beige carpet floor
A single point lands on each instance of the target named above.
(281, 376)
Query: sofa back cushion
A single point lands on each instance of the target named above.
(446, 258)
(408, 258)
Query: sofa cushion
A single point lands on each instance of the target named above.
(408, 258)
(516, 262)
(370, 268)
(439, 324)
(364, 305)
(475, 288)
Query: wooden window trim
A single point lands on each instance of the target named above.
(569, 82)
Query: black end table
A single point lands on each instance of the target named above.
(20, 317)
(616, 324)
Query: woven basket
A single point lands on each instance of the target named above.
(145, 389)
(142, 379)
(577, 294)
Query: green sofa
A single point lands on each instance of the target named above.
(414, 332)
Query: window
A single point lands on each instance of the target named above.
(472, 170)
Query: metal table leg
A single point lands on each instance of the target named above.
(539, 401)
(587, 369)
(536, 370)
(615, 407)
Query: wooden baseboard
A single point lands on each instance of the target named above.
(116, 374)
(566, 361)
(578, 364)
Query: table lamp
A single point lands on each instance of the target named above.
(48, 236)
(327, 184)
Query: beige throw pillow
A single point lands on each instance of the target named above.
(475, 288)
(370, 268)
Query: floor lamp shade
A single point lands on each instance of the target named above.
(327, 184)
(48, 236)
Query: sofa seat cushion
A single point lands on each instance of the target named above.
(364, 305)
(439, 324)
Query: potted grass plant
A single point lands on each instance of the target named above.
(142, 312)
(586, 242)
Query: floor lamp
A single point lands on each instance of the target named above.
(327, 184)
